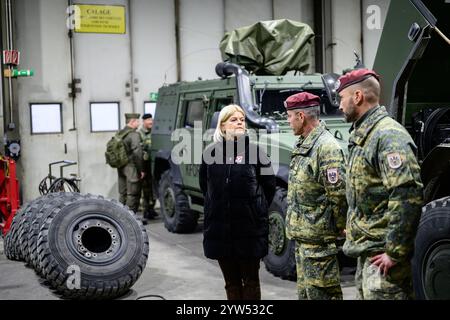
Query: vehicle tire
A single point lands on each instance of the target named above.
(38, 216)
(281, 258)
(92, 248)
(431, 260)
(26, 225)
(175, 208)
(12, 246)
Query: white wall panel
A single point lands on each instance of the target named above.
(153, 47)
(298, 10)
(201, 29)
(243, 13)
(346, 16)
(41, 36)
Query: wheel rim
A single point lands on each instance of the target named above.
(169, 202)
(96, 239)
(277, 238)
(436, 271)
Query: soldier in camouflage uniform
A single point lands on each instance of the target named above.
(316, 200)
(130, 176)
(147, 189)
(384, 191)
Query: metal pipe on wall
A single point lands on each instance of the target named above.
(361, 6)
(10, 46)
(2, 96)
(132, 80)
(177, 38)
(319, 38)
(72, 69)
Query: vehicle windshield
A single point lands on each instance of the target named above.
(270, 103)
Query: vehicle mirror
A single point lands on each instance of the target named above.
(329, 81)
(205, 101)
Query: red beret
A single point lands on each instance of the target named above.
(354, 77)
(301, 100)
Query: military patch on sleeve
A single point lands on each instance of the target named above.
(394, 160)
(333, 175)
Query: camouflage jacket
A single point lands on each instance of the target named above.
(384, 190)
(146, 137)
(132, 143)
(316, 192)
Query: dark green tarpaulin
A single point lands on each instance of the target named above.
(270, 47)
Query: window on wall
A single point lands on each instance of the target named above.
(46, 118)
(105, 116)
(194, 112)
(150, 107)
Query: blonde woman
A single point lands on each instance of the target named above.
(238, 186)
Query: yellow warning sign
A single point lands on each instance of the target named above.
(99, 19)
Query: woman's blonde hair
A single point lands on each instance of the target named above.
(224, 115)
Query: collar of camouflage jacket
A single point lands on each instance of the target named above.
(304, 145)
(359, 135)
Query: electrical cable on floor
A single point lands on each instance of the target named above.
(151, 296)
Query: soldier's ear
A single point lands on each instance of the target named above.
(358, 97)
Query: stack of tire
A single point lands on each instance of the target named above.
(85, 246)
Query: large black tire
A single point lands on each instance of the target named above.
(99, 237)
(175, 209)
(281, 258)
(431, 261)
(12, 245)
(37, 217)
(26, 224)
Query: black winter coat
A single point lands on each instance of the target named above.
(237, 199)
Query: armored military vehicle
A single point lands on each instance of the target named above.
(260, 88)
(414, 60)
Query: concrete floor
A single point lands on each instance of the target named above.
(176, 270)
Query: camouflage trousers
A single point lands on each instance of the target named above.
(129, 187)
(318, 276)
(372, 285)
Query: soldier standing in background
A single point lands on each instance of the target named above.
(147, 186)
(130, 175)
(384, 191)
(316, 200)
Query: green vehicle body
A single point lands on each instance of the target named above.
(414, 62)
(181, 199)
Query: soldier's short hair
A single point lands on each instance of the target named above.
(312, 112)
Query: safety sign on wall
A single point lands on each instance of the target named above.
(11, 57)
(99, 19)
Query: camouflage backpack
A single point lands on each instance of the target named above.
(116, 152)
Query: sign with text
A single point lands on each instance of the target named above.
(11, 57)
(100, 19)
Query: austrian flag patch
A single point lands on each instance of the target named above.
(333, 175)
(394, 160)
